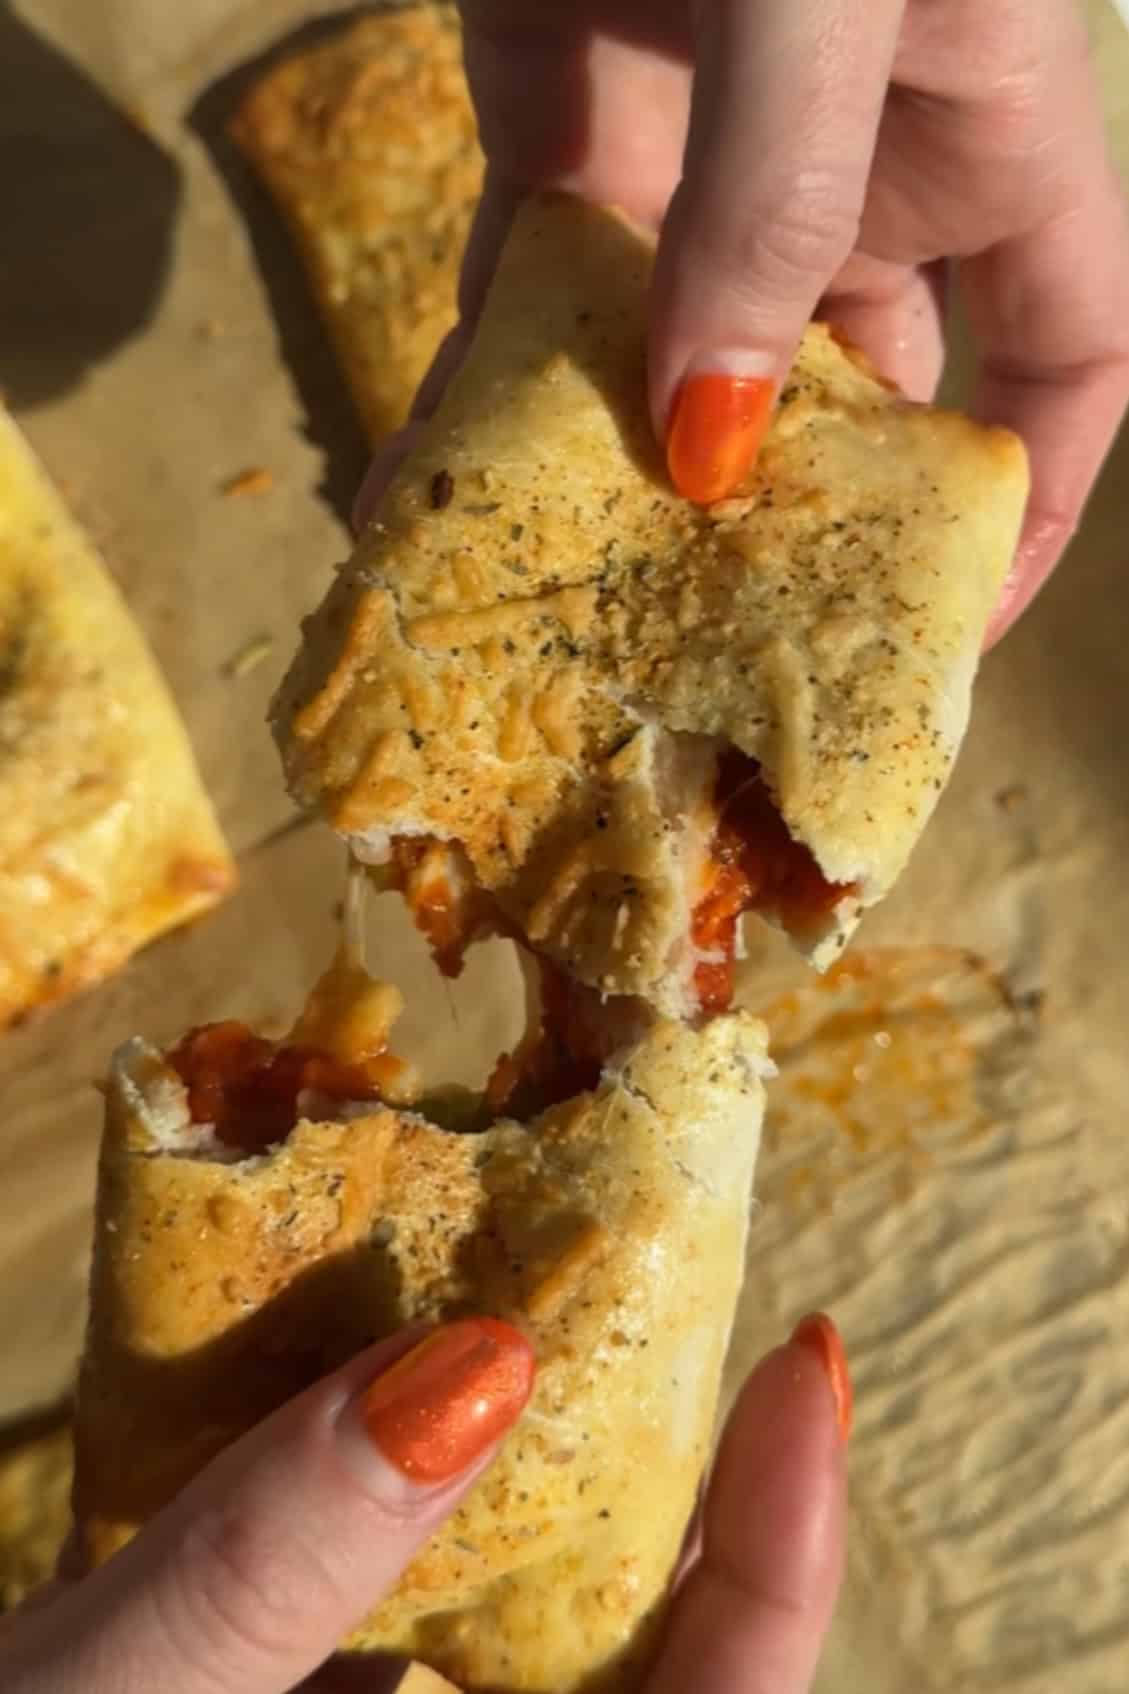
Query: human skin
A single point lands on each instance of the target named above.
(245, 1583)
(849, 158)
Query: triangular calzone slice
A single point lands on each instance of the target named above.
(622, 718)
(366, 138)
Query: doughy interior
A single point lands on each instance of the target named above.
(241, 1093)
(736, 855)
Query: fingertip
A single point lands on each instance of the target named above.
(785, 110)
(895, 315)
(444, 1406)
(759, 1599)
(494, 214)
(385, 462)
(717, 423)
(784, 1448)
(1041, 545)
(818, 1334)
(493, 218)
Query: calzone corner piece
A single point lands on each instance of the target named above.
(107, 837)
(367, 141)
(264, 1211)
(548, 696)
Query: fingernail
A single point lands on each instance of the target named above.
(717, 423)
(819, 1335)
(449, 1400)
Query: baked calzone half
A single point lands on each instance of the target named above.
(549, 697)
(267, 1209)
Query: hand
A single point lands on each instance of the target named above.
(251, 1576)
(844, 156)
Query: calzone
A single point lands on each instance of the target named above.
(267, 1209)
(548, 696)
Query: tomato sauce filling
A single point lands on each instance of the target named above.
(563, 1057)
(248, 1088)
(755, 865)
(446, 919)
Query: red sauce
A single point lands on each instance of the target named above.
(714, 928)
(440, 917)
(565, 1056)
(756, 866)
(248, 1087)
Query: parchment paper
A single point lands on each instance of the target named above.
(157, 339)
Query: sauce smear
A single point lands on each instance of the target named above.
(248, 1088)
(564, 1057)
(755, 865)
(446, 918)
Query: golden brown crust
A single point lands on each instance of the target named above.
(35, 1509)
(612, 1231)
(107, 838)
(493, 661)
(368, 143)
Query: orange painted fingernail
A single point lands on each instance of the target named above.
(819, 1335)
(717, 424)
(442, 1405)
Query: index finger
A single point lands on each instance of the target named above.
(784, 117)
(270, 1556)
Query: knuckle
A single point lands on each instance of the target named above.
(811, 229)
(242, 1593)
(797, 240)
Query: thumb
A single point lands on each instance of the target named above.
(784, 118)
(755, 1605)
(250, 1579)
(492, 220)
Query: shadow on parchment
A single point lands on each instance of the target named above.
(34, 1426)
(331, 419)
(156, 1419)
(332, 423)
(87, 208)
